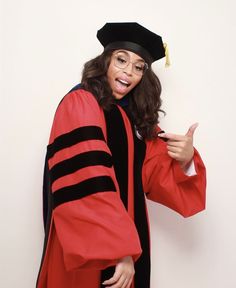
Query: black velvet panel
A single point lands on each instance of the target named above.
(73, 137)
(83, 189)
(46, 193)
(91, 158)
(142, 266)
(47, 208)
(118, 144)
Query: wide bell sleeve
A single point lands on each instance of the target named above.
(90, 221)
(166, 183)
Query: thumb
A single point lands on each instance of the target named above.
(191, 130)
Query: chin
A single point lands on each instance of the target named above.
(118, 96)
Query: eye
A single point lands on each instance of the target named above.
(121, 60)
(139, 67)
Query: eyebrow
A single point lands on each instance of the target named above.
(126, 53)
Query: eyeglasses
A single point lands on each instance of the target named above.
(122, 60)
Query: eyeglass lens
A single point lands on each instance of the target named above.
(121, 60)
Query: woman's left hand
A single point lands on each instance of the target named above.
(123, 275)
(180, 147)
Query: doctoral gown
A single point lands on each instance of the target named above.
(98, 174)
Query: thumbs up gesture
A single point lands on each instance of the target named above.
(180, 147)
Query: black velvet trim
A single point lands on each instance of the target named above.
(90, 158)
(47, 209)
(73, 137)
(76, 87)
(46, 193)
(118, 144)
(83, 189)
(142, 266)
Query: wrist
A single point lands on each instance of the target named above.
(185, 164)
(126, 259)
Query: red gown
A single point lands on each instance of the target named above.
(98, 173)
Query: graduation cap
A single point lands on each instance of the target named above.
(133, 37)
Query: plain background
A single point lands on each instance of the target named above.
(44, 45)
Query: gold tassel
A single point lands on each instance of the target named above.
(167, 55)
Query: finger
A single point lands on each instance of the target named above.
(172, 137)
(126, 282)
(130, 283)
(119, 283)
(180, 144)
(192, 129)
(174, 155)
(174, 149)
(113, 279)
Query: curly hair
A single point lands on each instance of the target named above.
(145, 103)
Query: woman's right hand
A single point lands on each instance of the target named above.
(123, 275)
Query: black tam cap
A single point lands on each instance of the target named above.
(133, 37)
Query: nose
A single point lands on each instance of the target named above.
(128, 69)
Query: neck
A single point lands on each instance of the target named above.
(123, 101)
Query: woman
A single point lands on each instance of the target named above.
(105, 154)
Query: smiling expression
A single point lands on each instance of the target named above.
(123, 80)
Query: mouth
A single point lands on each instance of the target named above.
(123, 82)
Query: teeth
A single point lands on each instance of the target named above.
(123, 82)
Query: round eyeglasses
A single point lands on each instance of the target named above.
(122, 60)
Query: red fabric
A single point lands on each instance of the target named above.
(165, 182)
(92, 233)
(58, 277)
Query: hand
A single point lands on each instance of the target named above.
(180, 147)
(123, 275)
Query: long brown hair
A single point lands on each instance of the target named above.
(145, 102)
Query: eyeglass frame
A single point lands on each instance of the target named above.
(146, 66)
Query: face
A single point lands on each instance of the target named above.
(124, 72)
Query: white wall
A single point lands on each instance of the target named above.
(43, 47)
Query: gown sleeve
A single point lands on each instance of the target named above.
(91, 223)
(165, 182)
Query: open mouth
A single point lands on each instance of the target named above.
(123, 82)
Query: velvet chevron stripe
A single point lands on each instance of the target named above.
(83, 189)
(90, 158)
(73, 137)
